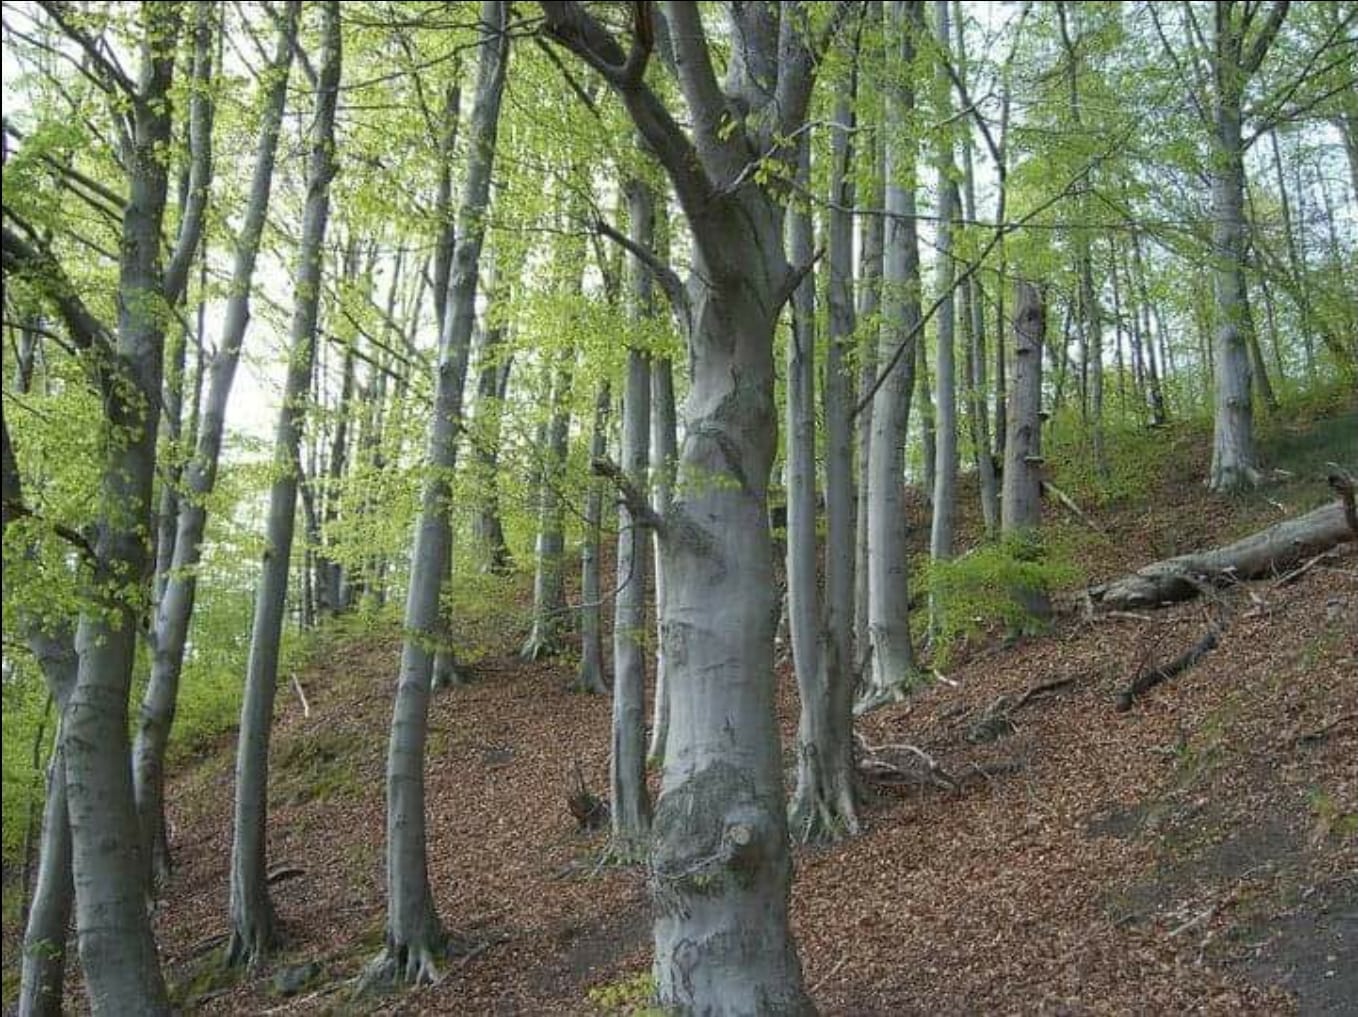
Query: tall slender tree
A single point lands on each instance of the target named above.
(254, 931)
(414, 936)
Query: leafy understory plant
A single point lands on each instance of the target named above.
(992, 585)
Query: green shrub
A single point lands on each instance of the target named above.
(990, 586)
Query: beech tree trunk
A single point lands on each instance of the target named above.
(117, 948)
(664, 451)
(871, 241)
(49, 910)
(1021, 505)
(893, 660)
(589, 677)
(823, 800)
(414, 934)
(175, 608)
(945, 463)
(549, 596)
(720, 867)
(253, 926)
(631, 815)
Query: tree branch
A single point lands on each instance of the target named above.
(201, 115)
(638, 506)
(1251, 60)
(110, 76)
(39, 266)
(570, 24)
(663, 274)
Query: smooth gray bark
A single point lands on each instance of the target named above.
(664, 452)
(973, 319)
(945, 376)
(720, 866)
(871, 239)
(253, 926)
(1264, 553)
(822, 804)
(549, 595)
(52, 646)
(414, 934)
(1021, 505)
(493, 366)
(117, 948)
(175, 608)
(589, 676)
(631, 813)
(1236, 55)
(893, 659)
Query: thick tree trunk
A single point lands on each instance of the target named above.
(720, 864)
(175, 607)
(893, 660)
(589, 677)
(253, 928)
(414, 934)
(627, 763)
(117, 948)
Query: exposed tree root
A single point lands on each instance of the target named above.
(875, 696)
(823, 815)
(413, 963)
(539, 647)
(1152, 677)
(251, 943)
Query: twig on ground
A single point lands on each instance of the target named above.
(297, 687)
(1147, 680)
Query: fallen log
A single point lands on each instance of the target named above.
(1260, 554)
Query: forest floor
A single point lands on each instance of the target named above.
(1198, 853)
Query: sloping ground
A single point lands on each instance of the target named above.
(1196, 853)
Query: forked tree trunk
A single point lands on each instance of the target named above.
(414, 934)
(117, 947)
(254, 931)
(893, 660)
(720, 866)
(175, 609)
